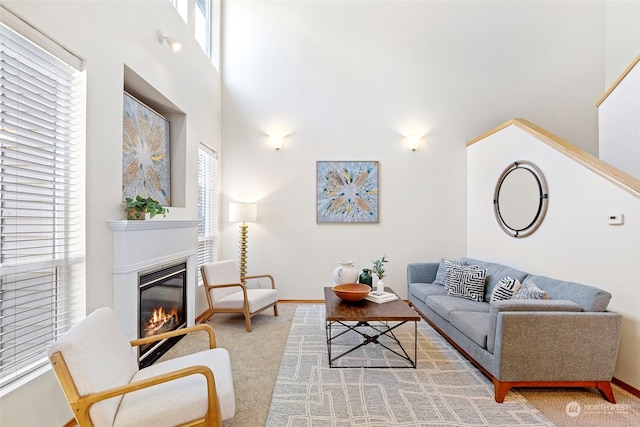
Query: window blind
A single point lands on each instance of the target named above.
(207, 207)
(41, 230)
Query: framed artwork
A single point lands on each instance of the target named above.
(347, 192)
(146, 166)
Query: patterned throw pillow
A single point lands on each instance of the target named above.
(466, 282)
(453, 273)
(529, 290)
(505, 289)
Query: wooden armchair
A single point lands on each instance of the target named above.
(227, 293)
(99, 374)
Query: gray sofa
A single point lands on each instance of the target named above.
(568, 340)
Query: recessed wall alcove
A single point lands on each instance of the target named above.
(138, 87)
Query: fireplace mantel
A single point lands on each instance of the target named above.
(143, 246)
(124, 225)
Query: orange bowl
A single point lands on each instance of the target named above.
(351, 291)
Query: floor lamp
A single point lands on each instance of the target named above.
(243, 213)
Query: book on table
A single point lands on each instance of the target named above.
(381, 297)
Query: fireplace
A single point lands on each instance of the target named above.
(166, 243)
(162, 308)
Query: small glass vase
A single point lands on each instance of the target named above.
(365, 278)
(379, 287)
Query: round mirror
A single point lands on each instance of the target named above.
(520, 199)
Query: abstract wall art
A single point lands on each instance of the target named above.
(347, 192)
(145, 153)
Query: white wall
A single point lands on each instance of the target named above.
(619, 125)
(345, 80)
(622, 37)
(574, 242)
(110, 35)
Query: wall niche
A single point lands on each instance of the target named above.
(144, 92)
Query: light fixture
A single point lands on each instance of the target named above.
(414, 141)
(243, 213)
(276, 142)
(170, 41)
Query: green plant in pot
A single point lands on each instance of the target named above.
(138, 207)
(378, 267)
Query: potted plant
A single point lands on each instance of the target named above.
(378, 270)
(378, 267)
(138, 207)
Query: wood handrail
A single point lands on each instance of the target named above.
(617, 82)
(623, 180)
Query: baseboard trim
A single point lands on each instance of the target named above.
(626, 387)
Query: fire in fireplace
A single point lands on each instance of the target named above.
(162, 308)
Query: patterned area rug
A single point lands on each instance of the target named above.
(444, 390)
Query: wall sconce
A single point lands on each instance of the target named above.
(173, 44)
(414, 141)
(276, 142)
(243, 213)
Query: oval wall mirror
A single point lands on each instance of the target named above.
(520, 199)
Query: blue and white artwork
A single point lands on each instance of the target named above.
(347, 192)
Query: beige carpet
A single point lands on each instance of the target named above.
(256, 360)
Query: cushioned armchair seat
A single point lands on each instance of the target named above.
(98, 372)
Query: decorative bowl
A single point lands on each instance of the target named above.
(351, 291)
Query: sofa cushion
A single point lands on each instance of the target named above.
(495, 273)
(529, 290)
(422, 290)
(473, 324)
(506, 289)
(588, 297)
(443, 305)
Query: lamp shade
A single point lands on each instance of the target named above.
(243, 212)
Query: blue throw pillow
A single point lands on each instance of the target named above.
(439, 280)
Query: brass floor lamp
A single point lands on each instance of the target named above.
(243, 213)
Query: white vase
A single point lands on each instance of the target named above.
(345, 272)
(379, 287)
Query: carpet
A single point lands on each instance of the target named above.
(444, 390)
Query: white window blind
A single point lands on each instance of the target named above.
(207, 207)
(41, 228)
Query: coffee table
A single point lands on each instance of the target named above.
(380, 320)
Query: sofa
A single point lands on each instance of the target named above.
(549, 333)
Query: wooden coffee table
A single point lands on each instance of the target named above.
(372, 322)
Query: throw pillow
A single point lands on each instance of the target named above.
(439, 280)
(470, 285)
(529, 290)
(453, 273)
(505, 289)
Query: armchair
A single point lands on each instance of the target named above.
(98, 372)
(227, 293)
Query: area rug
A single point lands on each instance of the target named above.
(444, 389)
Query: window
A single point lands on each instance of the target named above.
(203, 25)
(207, 207)
(41, 188)
(203, 19)
(182, 6)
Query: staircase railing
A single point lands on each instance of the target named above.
(617, 82)
(605, 170)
